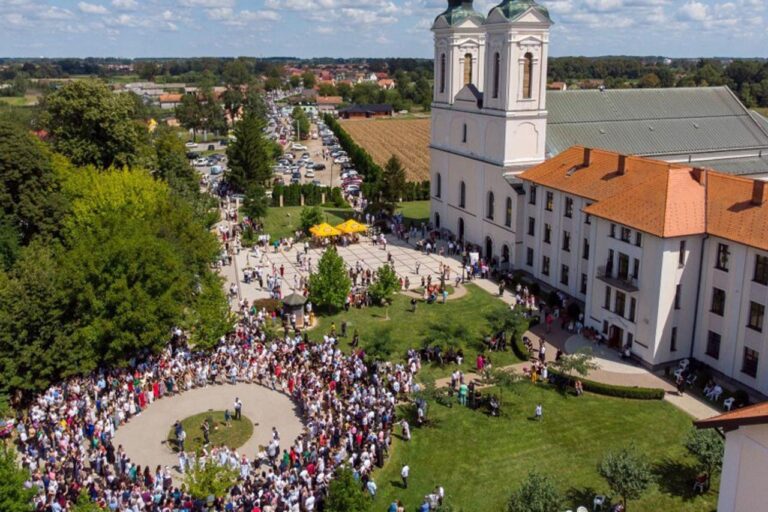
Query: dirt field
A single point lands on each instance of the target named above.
(406, 138)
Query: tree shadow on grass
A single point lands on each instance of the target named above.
(676, 478)
(341, 213)
(581, 497)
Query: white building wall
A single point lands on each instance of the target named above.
(745, 465)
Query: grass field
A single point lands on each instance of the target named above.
(234, 436)
(414, 211)
(19, 101)
(763, 111)
(282, 222)
(409, 329)
(480, 460)
(406, 138)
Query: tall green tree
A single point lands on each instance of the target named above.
(30, 191)
(537, 493)
(707, 446)
(90, 124)
(249, 155)
(190, 114)
(301, 122)
(385, 285)
(345, 494)
(14, 496)
(580, 362)
(627, 473)
(308, 79)
(310, 216)
(255, 204)
(330, 285)
(172, 163)
(393, 181)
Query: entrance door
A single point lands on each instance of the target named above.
(615, 337)
(505, 253)
(488, 248)
(461, 230)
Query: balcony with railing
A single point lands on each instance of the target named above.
(620, 281)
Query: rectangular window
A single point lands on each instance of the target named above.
(545, 265)
(620, 303)
(625, 234)
(531, 226)
(632, 308)
(607, 302)
(681, 254)
(636, 268)
(749, 363)
(566, 241)
(761, 269)
(630, 338)
(605, 326)
(713, 345)
(756, 313)
(547, 234)
(638, 238)
(585, 249)
(718, 302)
(583, 287)
(723, 252)
(464, 134)
(673, 340)
(550, 201)
(588, 217)
(532, 194)
(564, 275)
(529, 257)
(678, 298)
(613, 231)
(568, 207)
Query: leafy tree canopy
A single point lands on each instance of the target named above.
(310, 216)
(330, 285)
(537, 493)
(210, 480)
(345, 494)
(708, 447)
(91, 125)
(385, 285)
(14, 497)
(627, 473)
(250, 158)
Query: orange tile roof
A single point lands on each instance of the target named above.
(662, 199)
(732, 215)
(170, 98)
(752, 415)
(329, 100)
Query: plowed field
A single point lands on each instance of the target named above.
(406, 138)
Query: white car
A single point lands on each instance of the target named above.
(309, 173)
(200, 162)
(298, 147)
(191, 144)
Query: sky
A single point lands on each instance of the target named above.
(364, 28)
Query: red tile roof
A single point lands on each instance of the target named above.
(752, 415)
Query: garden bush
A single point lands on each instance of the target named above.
(633, 392)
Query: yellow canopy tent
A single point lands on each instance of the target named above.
(351, 226)
(324, 229)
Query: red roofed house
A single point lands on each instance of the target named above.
(328, 103)
(745, 464)
(386, 83)
(169, 101)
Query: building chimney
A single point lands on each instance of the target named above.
(700, 175)
(759, 192)
(622, 165)
(587, 157)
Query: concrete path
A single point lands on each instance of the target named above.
(144, 437)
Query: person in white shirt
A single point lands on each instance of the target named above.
(404, 475)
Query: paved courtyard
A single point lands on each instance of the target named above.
(406, 259)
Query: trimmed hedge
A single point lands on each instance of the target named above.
(633, 392)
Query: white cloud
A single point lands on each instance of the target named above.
(220, 13)
(171, 27)
(92, 8)
(324, 30)
(168, 15)
(693, 11)
(208, 4)
(125, 5)
(54, 13)
(15, 19)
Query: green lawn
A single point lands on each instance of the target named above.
(282, 222)
(16, 101)
(480, 460)
(414, 211)
(408, 329)
(234, 436)
(763, 111)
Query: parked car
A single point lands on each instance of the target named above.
(319, 167)
(217, 169)
(191, 155)
(191, 144)
(317, 183)
(211, 147)
(200, 162)
(309, 173)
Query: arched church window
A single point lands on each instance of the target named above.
(438, 185)
(491, 202)
(467, 68)
(496, 73)
(528, 75)
(462, 195)
(508, 214)
(442, 72)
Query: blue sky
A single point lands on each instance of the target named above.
(364, 28)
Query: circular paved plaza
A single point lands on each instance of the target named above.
(145, 436)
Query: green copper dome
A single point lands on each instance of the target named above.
(513, 9)
(460, 10)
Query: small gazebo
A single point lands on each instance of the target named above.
(294, 303)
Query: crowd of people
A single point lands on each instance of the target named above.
(66, 437)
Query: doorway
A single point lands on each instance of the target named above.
(615, 337)
(461, 230)
(488, 248)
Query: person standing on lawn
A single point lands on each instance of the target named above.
(539, 414)
(238, 408)
(404, 475)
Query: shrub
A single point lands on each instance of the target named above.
(633, 392)
(269, 304)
